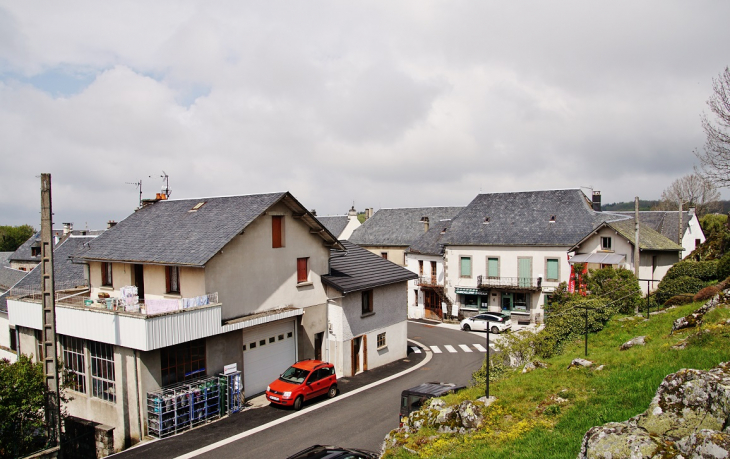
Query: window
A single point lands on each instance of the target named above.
(433, 272)
(420, 268)
(35, 251)
(605, 243)
(102, 371)
(13, 339)
(697, 243)
(381, 340)
(521, 301)
(183, 361)
(172, 275)
(106, 274)
(552, 269)
(74, 362)
(465, 264)
(367, 302)
(384, 255)
(277, 231)
(302, 270)
(493, 267)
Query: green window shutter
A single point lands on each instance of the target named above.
(493, 267)
(552, 269)
(465, 267)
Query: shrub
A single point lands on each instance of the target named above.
(679, 300)
(704, 270)
(618, 286)
(671, 287)
(723, 266)
(567, 321)
(712, 223)
(706, 293)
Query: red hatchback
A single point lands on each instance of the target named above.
(303, 381)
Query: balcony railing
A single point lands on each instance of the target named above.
(510, 283)
(429, 281)
(79, 297)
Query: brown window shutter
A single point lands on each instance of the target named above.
(276, 224)
(168, 279)
(364, 352)
(352, 357)
(302, 270)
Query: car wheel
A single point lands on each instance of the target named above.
(298, 403)
(333, 391)
(495, 330)
(466, 327)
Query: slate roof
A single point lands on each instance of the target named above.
(662, 221)
(399, 227)
(10, 277)
(66, 273)
(23, 253)
(362, 270)
(171, 232)
(5, 258)
(4, 302)
(335, 224)
(523, 219)
(430, 243)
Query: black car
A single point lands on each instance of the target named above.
(334, 452)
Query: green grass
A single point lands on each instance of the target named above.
(527, 422)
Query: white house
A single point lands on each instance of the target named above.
(667, 224)
(341, 226)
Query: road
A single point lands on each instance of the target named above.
(358, 420)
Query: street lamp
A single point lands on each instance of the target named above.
(486, 324)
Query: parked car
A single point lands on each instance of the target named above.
(498, 322)
(334, 452)
(413, 399)
(303, 381)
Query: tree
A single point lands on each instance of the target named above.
(694, 191)
(12, 237)
(715, 159)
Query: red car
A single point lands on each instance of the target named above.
(303, 381)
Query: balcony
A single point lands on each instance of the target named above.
(510, 283)
(429, 281)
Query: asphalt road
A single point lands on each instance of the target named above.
(359, 420)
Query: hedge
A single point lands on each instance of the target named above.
(703, 270)
(676, 286)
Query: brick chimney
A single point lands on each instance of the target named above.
(597, 201)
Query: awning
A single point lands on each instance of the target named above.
(471, 291)
(598, 258)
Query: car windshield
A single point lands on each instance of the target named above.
(294, 375)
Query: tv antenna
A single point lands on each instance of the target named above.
(166, 187)
(137, 185)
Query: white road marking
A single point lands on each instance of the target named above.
(436, 349)
(465, 348)
(417, 350)
(479, 347)
(450, 348)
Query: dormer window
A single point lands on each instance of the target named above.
(486, 220)
(552, 219)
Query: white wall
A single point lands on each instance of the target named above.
(694, 231)
(5, 352)
(352, 224)
(415, 296)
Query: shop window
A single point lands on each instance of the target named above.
(74, 362)
(183, 361)
(521, 301)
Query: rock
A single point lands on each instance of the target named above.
(706, 444)
(685, 419)
(638, 341)
(601, 367)
(580, 363)
(487, 401)
(470, 415)
(529, 366)
(436, 404)
(696, 317)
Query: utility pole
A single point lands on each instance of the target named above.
(680, 227)
(48, 292)
(637, 254)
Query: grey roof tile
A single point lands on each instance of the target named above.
(66, 273)
(524, 219)
(362, 270)
(10, 277)
(430, 243)
(23, 253)
(335, 224)
(399, 227)
(662, 221)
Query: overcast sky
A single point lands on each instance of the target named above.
(384, 104)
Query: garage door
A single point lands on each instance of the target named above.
(268, 350)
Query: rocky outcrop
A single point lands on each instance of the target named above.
(580, 363)
(696, 317)
(687, 418)
(638, 341)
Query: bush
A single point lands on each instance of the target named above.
(679, 300)
(706, 293)
(703, 270)
(672, 287)
(712, 223)
(619, 286)
(723, 266)
(567, 321)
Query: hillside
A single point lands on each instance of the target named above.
(545, 413)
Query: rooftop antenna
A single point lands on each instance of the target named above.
(166, 187)
(137, 185)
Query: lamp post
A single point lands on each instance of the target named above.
(486, 324)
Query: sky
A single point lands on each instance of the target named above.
(376, 104)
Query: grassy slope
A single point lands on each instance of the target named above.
(526, 421)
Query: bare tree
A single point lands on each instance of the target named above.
(715, 159)
(694, 191)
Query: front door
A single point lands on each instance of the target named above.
(318, 339)
(356, 342)
(507, 301)
(432, 305)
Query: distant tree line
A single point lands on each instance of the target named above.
(12, 237)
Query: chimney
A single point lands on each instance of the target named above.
(67, 228)
(597, 201)
(352, 212)
(111, 224)
(314, 212)
(425, 224)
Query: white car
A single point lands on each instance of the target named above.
(498, 322)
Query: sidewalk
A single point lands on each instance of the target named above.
(257, 412)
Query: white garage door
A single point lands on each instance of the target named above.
(268, 351)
